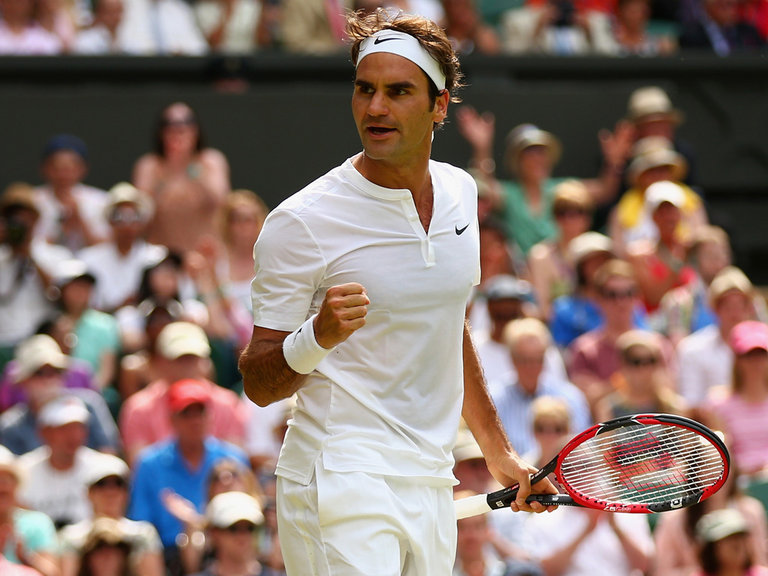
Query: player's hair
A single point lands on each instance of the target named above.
(433, 38)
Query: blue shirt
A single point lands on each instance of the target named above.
(514, 407)
(574, 315)
(161, 467)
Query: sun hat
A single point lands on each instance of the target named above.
(651, 103)
(181, 339)
(34, 353)
(229, 508)
(526, 135)
(665, 191)
(719, 524)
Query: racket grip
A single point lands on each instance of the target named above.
(471, 506)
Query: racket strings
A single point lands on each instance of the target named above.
(648, 464)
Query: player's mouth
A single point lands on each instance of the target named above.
(379, 130)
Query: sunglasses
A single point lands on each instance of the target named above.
(529, 360)
(619, 294)
(241, 528)
(46, 372)
(110, 481)
(125, 218)
(638, 361)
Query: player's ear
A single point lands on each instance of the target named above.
(440, 110)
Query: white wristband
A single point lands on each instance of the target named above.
(301, 350)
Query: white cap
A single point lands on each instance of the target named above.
(228, 508)
(34, 353)
(63, 410)
(183, 338)
(104, 466)
(659, 192)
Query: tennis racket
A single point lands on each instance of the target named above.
(641, 463)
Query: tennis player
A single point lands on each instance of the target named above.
(359, 296)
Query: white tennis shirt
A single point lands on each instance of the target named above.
(388, 399)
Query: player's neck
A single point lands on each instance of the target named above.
(412, 175)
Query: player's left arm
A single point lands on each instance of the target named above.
(480, 414)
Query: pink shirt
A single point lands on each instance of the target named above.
(746, 426)
(145, 417)
(35, 40)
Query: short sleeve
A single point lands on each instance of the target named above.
(289, 270)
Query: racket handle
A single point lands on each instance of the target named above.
(471, 506)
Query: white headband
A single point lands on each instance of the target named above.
(405, 45)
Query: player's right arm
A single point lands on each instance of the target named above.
(267, 376)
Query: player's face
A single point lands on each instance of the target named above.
(392, 109)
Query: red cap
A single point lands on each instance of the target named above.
(184, 393)
(749, 335)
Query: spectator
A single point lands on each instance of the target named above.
(552, 272)
(232, 519)
(242, 217)
(705, 358)
(585, 542)
(227, 475)
(506, 299)
(677, 548)
(741, 410)
(643, 384)
(314, 26)
(40, 374)
(106, 551)
(163, 283)
(466, 29)
(593, 359)
(117, 264)
(21, 34)
(181, 464)
(556, 27)
(145, 418)
(527, 340)
(55, 473)
(500, 541)
(686, 309)
(653, 161)
(163, 28)
(660, 265)
(187, 180)
(473, 556)
(230, 26)
(720, 31)
(76, 373)
(26, 267)
(26, 536)
(577, 313)
(107, 34)
(107, 485)
(631, 33)
(724, 538)
(59, 19)
(650, 112)
(579, 541)
(142, 367)
(97, 335)
(71, 212)
(530, 155)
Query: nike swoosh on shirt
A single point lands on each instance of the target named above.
(380, 40)
(460, 231)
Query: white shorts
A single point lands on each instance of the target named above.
(357, 524)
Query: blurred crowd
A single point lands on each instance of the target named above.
(128, 448)
(551, 27)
